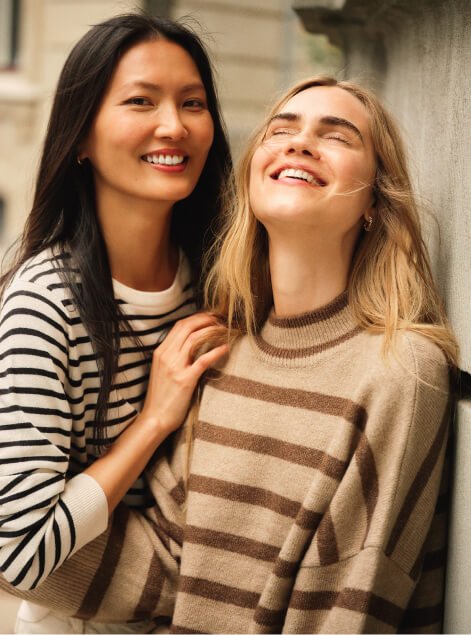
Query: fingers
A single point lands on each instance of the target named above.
(207, 360)
(182, 330)
(209, 336)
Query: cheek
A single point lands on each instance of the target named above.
(203, 134)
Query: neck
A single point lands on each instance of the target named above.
(137, 237)
(307, 273)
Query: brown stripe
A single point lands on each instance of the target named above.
(230, 542)
(269, 618)
(152, 589)
(426, 616)
(312, 317)
(301, 455)
(418, 484)
(298, 353)
(369, 478)
(308, 519)
(178, 493)
(218, 592)
(285, 569)
(292, 397)
(244, 494)
(104, 574)
(351, 599)
(327, 541)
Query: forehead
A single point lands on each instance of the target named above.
(155, 57)
(321, 101)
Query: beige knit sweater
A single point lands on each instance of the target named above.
(315, 474)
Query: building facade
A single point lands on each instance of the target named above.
(258, 49)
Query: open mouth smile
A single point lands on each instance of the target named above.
(298, 174)
(162, 159)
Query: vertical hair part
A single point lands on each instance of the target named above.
(64, 212)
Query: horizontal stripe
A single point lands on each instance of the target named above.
(218, 592)
(230, 542)
(351, 599)
(302, 455)
(307, 351)
(244, 494)
(292, 397)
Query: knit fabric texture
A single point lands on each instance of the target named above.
(316, 499)
(314, 479)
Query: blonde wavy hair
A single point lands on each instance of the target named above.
(390, 284)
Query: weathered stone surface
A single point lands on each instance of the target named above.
(418, 55)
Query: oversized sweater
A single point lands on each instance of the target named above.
(315, 474)
(49, 381)
(314, 479)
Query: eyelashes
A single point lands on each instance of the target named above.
(290, 132)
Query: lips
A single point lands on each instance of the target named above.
(298, 173)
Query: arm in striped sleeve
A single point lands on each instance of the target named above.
(43, 517)
(127, 573)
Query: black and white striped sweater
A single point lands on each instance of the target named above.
(49, 383)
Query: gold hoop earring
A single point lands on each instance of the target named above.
(368, 224)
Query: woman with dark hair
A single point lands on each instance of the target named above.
(128, 187)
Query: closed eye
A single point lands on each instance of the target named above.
(336, 137)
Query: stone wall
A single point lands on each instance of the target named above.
(417, 54)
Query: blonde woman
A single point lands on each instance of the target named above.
(319, 450)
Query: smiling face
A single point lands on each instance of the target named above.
(153, 131)
(316, 165)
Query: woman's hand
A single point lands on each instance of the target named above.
(174, 374)
(176, 370)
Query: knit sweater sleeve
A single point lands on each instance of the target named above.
(44, 517)
(375, 562)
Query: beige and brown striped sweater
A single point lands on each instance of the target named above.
(315, 475)
(314, 479)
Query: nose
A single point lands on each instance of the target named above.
(170, 124)
(301, 144)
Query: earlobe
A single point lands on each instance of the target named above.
(368, 224)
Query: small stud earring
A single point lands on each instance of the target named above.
(79, 161)
(367, 225)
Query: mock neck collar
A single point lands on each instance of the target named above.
(295, 340)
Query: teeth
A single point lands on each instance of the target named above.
(164, 159)
(297, 174)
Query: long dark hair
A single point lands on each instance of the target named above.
(64, 210)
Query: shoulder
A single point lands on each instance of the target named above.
(423, 358)
(41, 280)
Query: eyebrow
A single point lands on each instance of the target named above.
(327, 120)
(151, 86)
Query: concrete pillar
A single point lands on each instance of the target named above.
(418, 56)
